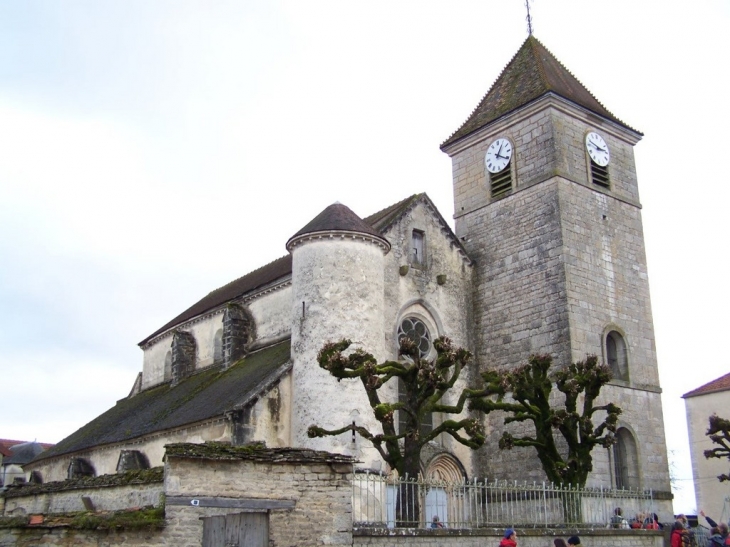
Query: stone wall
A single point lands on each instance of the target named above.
(60, 537)
(321, 493)
(115, 498)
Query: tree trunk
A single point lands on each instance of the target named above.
(408, 506)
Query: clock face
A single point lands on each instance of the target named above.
(498, 155)
(597, 149)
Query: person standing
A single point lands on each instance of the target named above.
(509, 539)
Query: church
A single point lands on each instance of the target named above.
(547, 256)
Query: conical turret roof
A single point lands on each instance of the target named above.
(337, 218)
(531, 73)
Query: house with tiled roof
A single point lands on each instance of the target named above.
(547, 256)
(711, 495)
(14, 455)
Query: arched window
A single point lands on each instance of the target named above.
(625, 460)
(616, 355)
(418, 332)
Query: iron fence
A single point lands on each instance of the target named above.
(380, 501)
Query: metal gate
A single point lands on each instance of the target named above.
(236, 530)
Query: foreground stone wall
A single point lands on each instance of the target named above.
(321, 492)
(103, 499)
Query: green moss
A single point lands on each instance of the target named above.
(147, 518)
(13, 522)
(138, 476)
(213, 450)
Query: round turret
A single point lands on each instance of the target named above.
(338, 292)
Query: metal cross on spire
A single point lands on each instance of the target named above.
(528, 18)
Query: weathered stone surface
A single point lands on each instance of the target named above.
(183, 355)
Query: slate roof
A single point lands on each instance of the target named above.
(202, 396)
(531, 73)
(6, 444)
(377, 224)
(719, 384)
(20, 454)
(336, 217)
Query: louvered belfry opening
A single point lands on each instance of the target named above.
(501, 183)
(599, 175)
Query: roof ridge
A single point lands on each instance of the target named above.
(484, 97)
(247, 274)
(534, 42)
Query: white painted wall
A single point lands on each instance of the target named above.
(710, 493)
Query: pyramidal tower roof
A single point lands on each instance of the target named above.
(531, 73)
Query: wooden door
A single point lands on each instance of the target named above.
(236, 530)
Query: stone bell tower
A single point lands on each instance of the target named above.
(547, 205)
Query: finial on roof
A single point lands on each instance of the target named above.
(528, 18)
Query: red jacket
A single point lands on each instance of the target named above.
(678, 538)
(507, 542)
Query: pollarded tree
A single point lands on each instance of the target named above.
(424, 384)
(530, 387)
(719, 433)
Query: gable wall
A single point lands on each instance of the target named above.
(419, 293)
(710, 493)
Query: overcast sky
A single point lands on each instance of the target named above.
(151, 151)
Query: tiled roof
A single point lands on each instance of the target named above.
(531, 73)
(336, 217)
(202, 396)
(278, 269)
(719, 384)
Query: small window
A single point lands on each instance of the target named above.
(616, 357)
(418, 248)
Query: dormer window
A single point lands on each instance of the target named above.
(418, 248)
